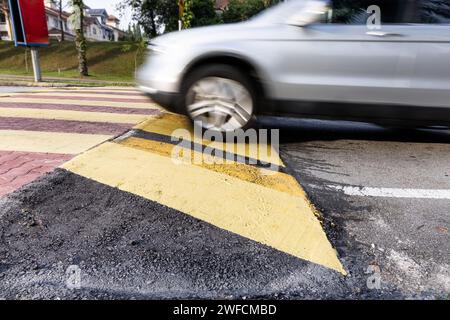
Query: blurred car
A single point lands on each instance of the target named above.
(315, 59)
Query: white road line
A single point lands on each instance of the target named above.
(393, 192)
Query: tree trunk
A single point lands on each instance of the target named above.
(154, 32)
(80, 40)
(61, 25)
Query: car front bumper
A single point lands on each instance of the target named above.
(171, 101)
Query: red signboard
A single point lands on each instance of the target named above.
(29, 22)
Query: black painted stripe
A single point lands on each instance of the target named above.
(137, 133)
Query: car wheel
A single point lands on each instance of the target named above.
(219, 98)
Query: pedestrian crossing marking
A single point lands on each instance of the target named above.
(89, 116)
(137, 105)
(49, 142)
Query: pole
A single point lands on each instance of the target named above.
(36, 66)
(180, 14)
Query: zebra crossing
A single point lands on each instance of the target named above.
(42, 129)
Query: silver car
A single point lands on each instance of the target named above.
(382, 61)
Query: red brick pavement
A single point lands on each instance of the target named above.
(20, 168)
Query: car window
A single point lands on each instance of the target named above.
(433, 12)
(355, 11)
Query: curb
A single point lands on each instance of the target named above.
(64, 84)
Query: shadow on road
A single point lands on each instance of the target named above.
(299, 130)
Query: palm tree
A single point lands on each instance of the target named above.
(80, 40)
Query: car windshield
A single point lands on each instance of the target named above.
(280, 12)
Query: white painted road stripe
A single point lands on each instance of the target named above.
(393, 192)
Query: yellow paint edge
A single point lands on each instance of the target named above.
(264, 177)
(174, 125)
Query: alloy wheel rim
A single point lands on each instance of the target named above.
(219, 104)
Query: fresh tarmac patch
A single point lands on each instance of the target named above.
(130, 247)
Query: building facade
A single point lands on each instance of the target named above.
(98, 24)
(5, 26)
(55, 22)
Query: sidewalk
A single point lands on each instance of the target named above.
(21, 80)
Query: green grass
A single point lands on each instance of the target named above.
(110, 61)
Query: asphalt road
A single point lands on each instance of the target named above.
(407, 236)
(373, 187)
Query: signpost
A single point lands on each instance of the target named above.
(29, 26)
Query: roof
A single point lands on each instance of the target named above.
(65, 14)
(113, 17)
(91, 20)
(97, 12)
(54, 31)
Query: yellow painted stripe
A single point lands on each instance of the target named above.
(75, 94)
(267, 178)
(49, 142)
(72, 115)
(138, 105)
(274, 218)
(167, 123)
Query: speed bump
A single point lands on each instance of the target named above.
(253, 202)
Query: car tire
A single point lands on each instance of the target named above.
(219, 97)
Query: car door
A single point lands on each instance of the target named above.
(429, 67)
(344, 64)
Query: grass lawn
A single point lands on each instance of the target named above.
(110, 61)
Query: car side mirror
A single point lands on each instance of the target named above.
(313, 11)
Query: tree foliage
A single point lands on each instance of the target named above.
(204, 13)
(241, 10)
(134, 33)
(186, 13)
(155, 16)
